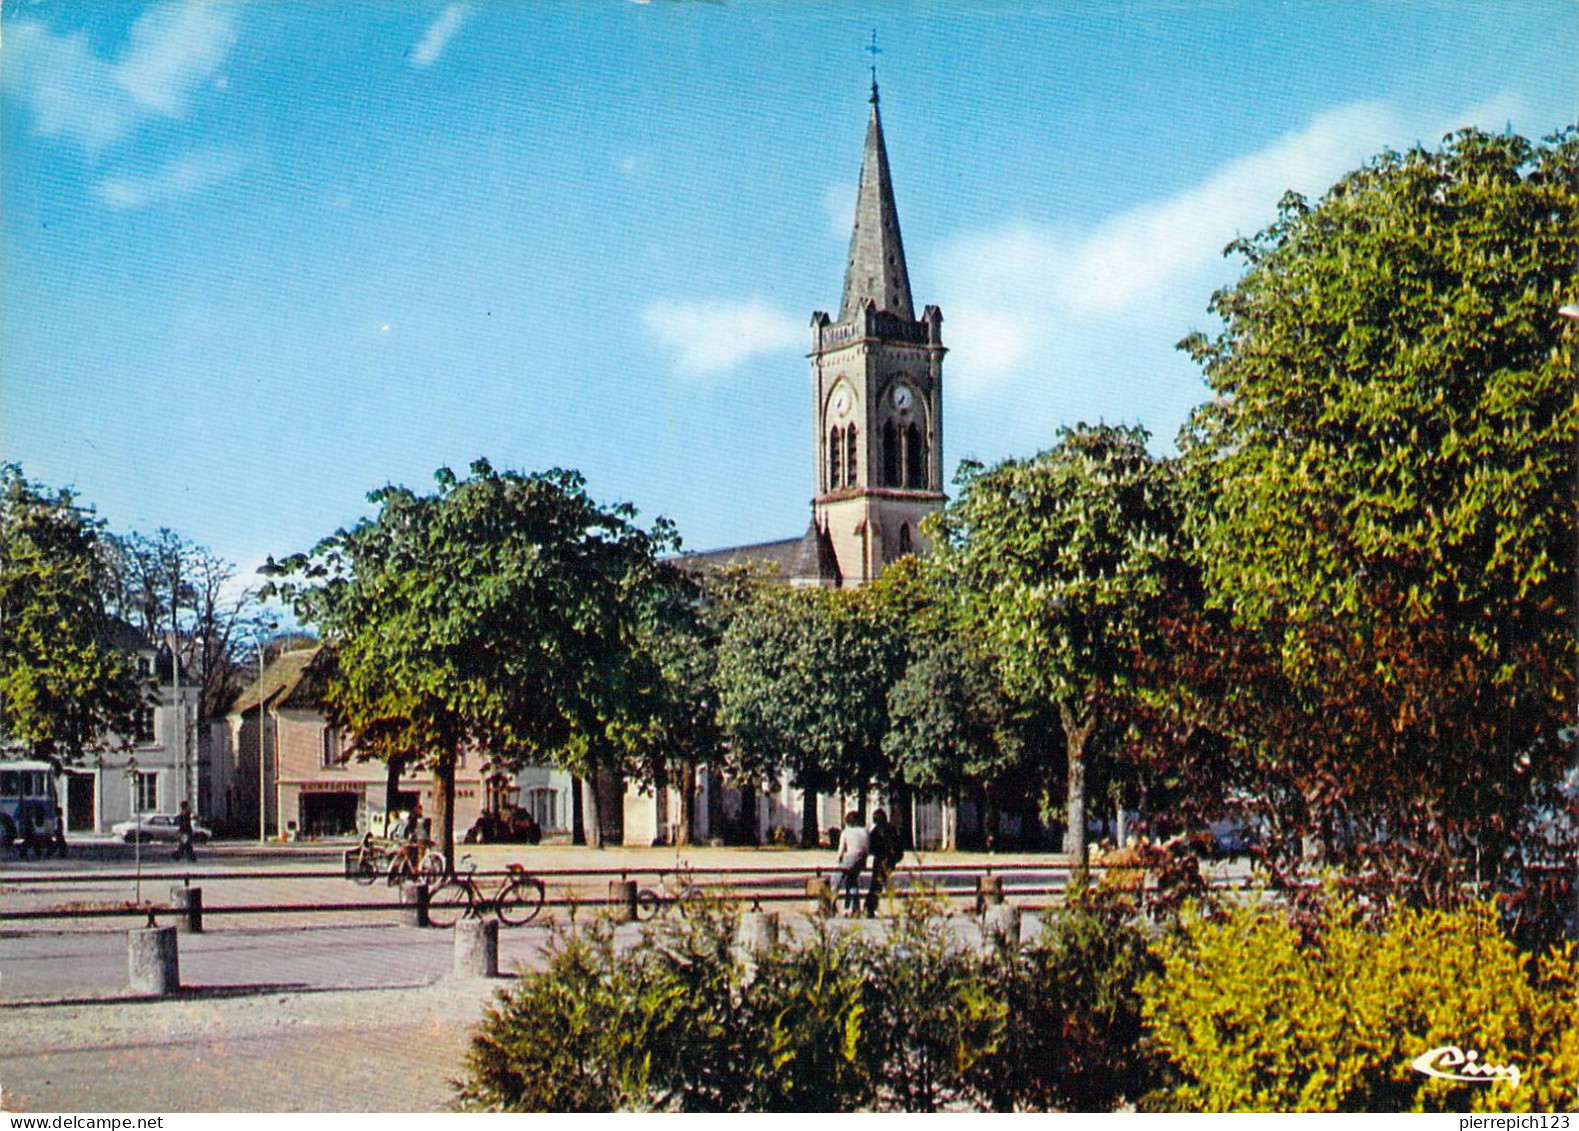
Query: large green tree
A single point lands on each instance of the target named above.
(499, 614)
(803, 678)
(1056, 565)
(1386, 489)
(67, 680)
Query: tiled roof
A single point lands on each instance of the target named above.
(290, 681)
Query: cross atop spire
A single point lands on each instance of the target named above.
(876, 269)
(874, 51)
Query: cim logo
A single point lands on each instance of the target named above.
(1452, 1063)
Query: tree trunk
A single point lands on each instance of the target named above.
(603, 794)
(1077, 732)
(902, 801)
(591, 812)
(392, 773)
(684, 832)
(809, 834)
(444, 802)
(578, 817)
(611, 806)
(715, 804)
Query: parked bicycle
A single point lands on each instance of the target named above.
(677, 889)
(398, 862)
(518, 899)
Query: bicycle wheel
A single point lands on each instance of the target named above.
(432, 867)
(400, 870)
(449, 903)
(520, 901)
(688, 898)
(365, 866)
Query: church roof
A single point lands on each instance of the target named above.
(781, 553)
(816, 563)
(876, 270)
(808, 559)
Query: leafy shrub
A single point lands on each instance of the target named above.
(1254, 1012)
(933, 1011)
(676, 1023)
(545, 1046)
(1073, 1011)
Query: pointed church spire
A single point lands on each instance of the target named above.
(876, 269)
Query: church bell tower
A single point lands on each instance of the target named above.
(877, 379)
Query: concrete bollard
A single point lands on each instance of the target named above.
(1000, 927)
(477, 948)
(188, 904)
(759, 931)
(989, 892)
(622, 901)
(153, 962)
(1031, 926)
(414, 897)
(820, 894)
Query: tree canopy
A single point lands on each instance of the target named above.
(68, 681)
(500, 613)
(803, 678)
(1056, 565)
(1385, 483)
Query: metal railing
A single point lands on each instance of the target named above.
(753, 886)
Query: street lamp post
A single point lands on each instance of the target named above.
(263, 808)
(137, 824)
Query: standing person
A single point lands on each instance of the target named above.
(887, 851)
(183, 833)
(854, 845)
(414, 820)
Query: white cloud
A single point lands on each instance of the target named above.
(74, 94)
(175, 179)
(1139, 252)
(1006, 289)
(439, 34)
(708, 339)
(170, 51)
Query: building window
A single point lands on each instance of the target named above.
(333, 755)
(915, 458)
(833, 459)
(905, 546)
(145, 791)
(143, 727)
(890, 455)
(849, 457)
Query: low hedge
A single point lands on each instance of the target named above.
(1237, 1009)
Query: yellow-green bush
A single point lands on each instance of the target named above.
(1254, 1016)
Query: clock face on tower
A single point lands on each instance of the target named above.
(841, 402)
(903, 397)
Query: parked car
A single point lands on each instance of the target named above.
(157, 826)
(1232, 838)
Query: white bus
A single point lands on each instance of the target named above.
(29, 803)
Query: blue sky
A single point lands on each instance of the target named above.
(261, 258)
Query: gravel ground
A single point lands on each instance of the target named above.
(347, 1050)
